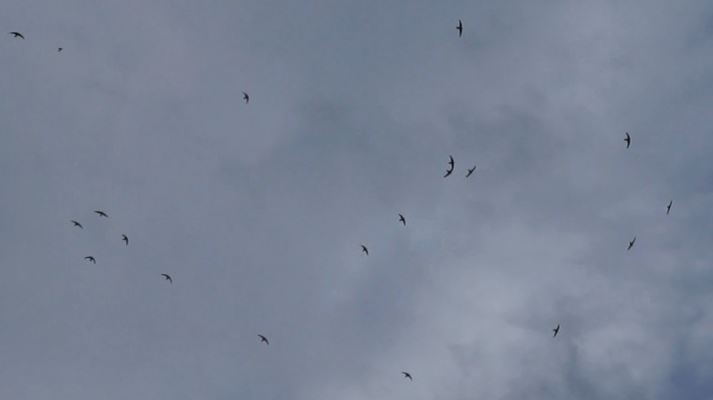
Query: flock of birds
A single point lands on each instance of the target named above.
(364, 249)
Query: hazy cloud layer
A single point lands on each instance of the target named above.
(258, 211)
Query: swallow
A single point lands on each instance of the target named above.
(17, 35)
(125, 239)
(77, 224)
(101, 213)
(452, 164)
(628, 140)
(460, 28)
(168, 278)
(556, 330)
(668, 207)
(364, 249)
(263, 339)
(90, 259)
(246, 98)
(407, 375)
(402, 219)
(631, 244)
(470, 172)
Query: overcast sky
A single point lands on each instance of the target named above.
(258, 210)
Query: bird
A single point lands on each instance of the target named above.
(452, 163)
(628, 140)
(631, 244)
(668, 207)
(470, 172)
(364, 249)
(17, 35)
(402, 219)
(90, 259)
(59, 49)
(168, 278)
(125, 239)
(101, 213)
(460, 28)
(556, 330)
(263, 339)
(407, 375)
(77, 224)
(246, 98)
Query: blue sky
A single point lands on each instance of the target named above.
(258, 211)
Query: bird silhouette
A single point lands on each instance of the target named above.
(101, 213)
(90, 259)
(125, 239)
(628, 140)
(556, 330)
(77, 224)
(460, 28)
(17, 35)
(470, 172)
(59, 49)
(263, 339)
(364, 250)
(246, 98)
(631, 244)
(452, 164)
(407, 375)
(168, 278)
(402, 219)
(668, 207)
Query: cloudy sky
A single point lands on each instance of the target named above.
(258, 211)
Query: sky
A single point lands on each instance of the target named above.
(258, 210)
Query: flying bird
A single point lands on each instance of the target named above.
(59, 49)
(263, 339)
(402, 219)
(470, 172)
(668, 207)
(101, 213)
(125, 239)
(77, 224)
(556, 330)
(407, 375)
(90, 259)
(460, 28)
(631, 244)
(17, 35)
(168, 278)
(364, 249)
(628, 140)
(452, 163)
(246, 98)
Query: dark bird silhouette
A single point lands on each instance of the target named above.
(556, 330)
(452, 164)
(263, 339)
(246, 98)
(125, 239)
(364, 249)
(407, 375)
(101, 213)
(90, 259)
(17, 35)
(460, 28)
(168, 278)
(668, 207)
(628, 140)
(470, 172)
(402, 219)
(631, 244)
(59, 49)
(77, 224)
